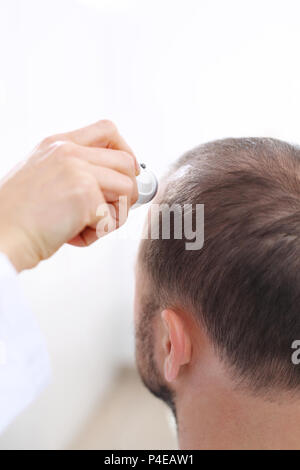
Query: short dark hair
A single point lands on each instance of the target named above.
(244, 284)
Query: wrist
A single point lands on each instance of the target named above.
(18, 251)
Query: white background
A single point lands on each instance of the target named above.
(171, 74)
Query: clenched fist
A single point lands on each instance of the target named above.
(52, 198)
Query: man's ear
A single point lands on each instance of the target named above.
(177, 344)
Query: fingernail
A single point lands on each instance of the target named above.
(137, 167)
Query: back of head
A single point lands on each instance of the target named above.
(244, 284)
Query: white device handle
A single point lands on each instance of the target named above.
(147, 186)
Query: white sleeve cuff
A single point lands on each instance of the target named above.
(24, 360)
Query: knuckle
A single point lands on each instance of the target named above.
(70, 166)
(85, 188)
(128, 185)
(128, 163)
(107, 125)
(83, 196)
(48, 141)
(65, 148)
(63, 152)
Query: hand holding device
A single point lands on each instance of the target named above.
(52, 198)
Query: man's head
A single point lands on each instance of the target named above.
(230, 310)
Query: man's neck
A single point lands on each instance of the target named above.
(216, 418)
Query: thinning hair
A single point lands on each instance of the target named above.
(244, 284)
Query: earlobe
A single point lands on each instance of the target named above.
(178, 352)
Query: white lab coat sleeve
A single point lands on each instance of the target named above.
(24, 361)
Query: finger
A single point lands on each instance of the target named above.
(85, 238)
(114, 184)
(120, 161)
(110, 218)
(77, 241)
(103, 221)
(100, 134)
